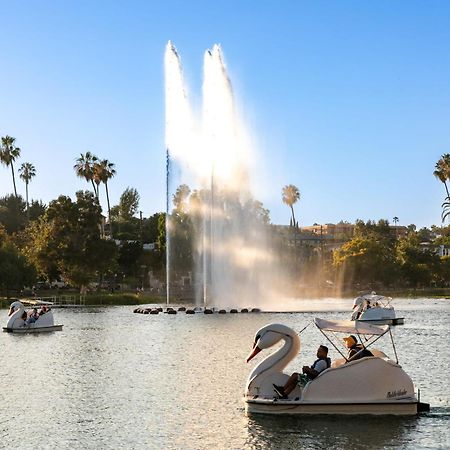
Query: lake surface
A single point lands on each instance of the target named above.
(113, 379)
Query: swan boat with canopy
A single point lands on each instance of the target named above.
(20, 321)
(369, 385)
(375, 309)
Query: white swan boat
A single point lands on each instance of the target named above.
(375, 309)
(16, 323)
(370, 385)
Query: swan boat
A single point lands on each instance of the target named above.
(16, 324)
(376, 309)
(369, 385)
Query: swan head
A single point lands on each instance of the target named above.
(268, 336)
(14, 307)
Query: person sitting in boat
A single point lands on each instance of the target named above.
(355, 350)
(308, 373)
(43, 310)
(33, 316)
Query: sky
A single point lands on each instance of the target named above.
(348, 100)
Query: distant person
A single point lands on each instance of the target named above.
(33, 316)
(355, 350)
(308, 373)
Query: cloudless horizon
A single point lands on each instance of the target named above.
(349, 101)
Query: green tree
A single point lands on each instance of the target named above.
(12, 213)
(129, 257)
(15, 271)
(36, 209)
(180, 198)
(129, 203)
(368, 258)
(27, 172)
(418, 266)
(290, 196)
(8, 154)
(66, 241)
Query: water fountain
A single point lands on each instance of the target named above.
(214, 215)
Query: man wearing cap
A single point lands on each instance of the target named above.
(309, 373)
(355, 350)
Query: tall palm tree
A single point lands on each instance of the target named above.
(8, 154)
(442, 171)
(395, 219)
(27, 171)
(290, 195)
(446, 209)
(103, 172)
(84, 168)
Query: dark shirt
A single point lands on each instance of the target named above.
(357, 348)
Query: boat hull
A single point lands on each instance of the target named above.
(24, 330)
(288, 407)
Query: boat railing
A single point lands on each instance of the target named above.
(64, 301)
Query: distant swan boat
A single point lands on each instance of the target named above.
(376, 309)
(16, 324)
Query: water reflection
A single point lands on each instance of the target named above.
(356, 432)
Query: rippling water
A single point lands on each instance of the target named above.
(114, 379)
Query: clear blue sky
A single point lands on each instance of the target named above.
(349, 100)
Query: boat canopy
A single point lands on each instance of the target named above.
(29, 302)
(350, 327)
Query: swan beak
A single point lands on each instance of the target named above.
(10, 311)
(254, 352)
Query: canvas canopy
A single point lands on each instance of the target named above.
(35, 303)
(350, 327)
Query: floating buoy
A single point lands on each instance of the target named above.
(136, 310)
(256, 310)
(233, 311)
(171, 311)
(190, 311)
(160, 309)
(208, 311)
(222, 311)
(244, 310)
(146, 311)
(154, 311)
(182, 308)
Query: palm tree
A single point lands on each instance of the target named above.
(104, 171)
(84, 168)
(446, 209)
(27, 171)
(442, 171)
(395, 219)
(290, 195)
(8, 154)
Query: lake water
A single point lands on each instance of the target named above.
(113, 379)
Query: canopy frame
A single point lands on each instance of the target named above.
(378, 331)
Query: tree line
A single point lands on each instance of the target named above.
(70, 239)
